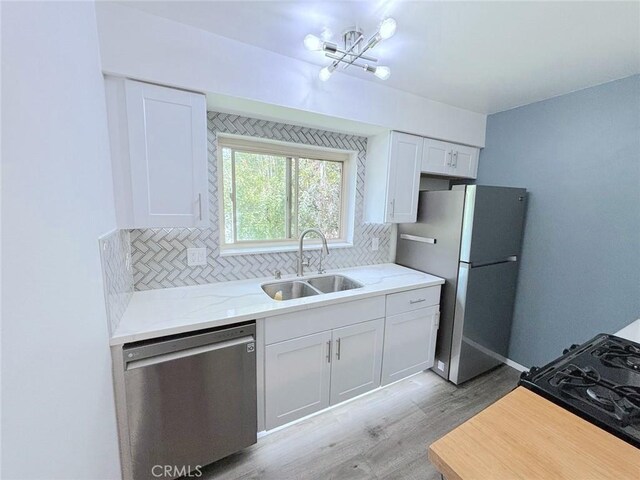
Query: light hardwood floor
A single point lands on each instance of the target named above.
(383, 435)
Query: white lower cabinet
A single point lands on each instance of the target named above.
(307, 374)
(346, 349)
(357, 359)
(297, 378)
(409, 343)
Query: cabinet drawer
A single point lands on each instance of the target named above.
(319, 319)
(412, 300)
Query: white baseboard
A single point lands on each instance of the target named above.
(517, 366)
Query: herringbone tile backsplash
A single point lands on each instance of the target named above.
(160, 255)
(117, 275)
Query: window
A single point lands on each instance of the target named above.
(272, 192)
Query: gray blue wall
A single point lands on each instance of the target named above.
(579, 157)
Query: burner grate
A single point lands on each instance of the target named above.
(599, 381)
(618, 356)
(586, 384)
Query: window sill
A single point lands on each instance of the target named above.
(233, 251)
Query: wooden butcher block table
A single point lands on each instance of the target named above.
(524, 436)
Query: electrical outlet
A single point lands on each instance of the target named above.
(196, 256)
(375, 244)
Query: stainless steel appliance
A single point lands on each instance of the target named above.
(191, 399)
(471, 236)
(598, 381)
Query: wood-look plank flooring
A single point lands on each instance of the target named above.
(383, 435)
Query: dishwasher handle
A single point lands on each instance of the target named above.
(166, 357)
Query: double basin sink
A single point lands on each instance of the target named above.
(307, 287)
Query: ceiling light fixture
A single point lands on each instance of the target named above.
(353, 53)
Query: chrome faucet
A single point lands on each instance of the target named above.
(325, 251)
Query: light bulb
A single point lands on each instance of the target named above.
(312, 42)
(382, 72)
(325, 73)
(387, 28)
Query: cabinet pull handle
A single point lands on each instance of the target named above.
(338, 349)
(450, 155)
(200, 206)
(455, 157)
(393, 207)
(329, 351)
(417, 301)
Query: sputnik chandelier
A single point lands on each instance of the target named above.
(353, 53)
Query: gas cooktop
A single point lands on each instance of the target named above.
(598, 381)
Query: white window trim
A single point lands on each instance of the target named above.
(349, 159)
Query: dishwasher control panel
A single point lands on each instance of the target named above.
(183, 341)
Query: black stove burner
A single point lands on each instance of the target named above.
(586, 384)
(599, 381)
(619, 356)
(574, 376)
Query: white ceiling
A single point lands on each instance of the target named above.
(482, 56)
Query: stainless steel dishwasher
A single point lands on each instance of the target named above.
(191, 399)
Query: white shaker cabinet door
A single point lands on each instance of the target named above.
(403, 183)
(167, 131)
(409, 343)
(297, 378)
(465, 161)
(436, 157)
(357, 359)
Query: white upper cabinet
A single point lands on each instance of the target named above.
(405, 155)
(436, 157)
(159, 149)
(394, 164)
(449, 159)
(465, 161)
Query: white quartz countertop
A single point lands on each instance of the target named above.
(167, 311)
(631, 332)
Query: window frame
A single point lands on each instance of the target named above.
(348, 158)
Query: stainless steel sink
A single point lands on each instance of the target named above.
(289, 290)
(307, 287)
(333, 283)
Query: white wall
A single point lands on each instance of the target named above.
(0, 243)
(57, 398)
(151, 48)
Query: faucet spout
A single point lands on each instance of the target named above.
(324, 251)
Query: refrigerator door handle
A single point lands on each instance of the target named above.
(416, 238)
(512, 258)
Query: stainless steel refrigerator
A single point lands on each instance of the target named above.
(471, 236)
